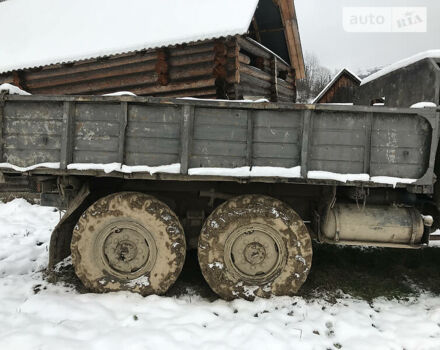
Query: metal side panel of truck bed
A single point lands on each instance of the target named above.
(65, 132)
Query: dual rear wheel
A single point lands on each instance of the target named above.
(249, 246)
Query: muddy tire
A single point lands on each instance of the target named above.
(128, 241)
(254, 246)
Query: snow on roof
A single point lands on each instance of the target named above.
(330, 84)
(43, 32)
(401, 64)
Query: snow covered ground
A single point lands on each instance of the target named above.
(37, 315)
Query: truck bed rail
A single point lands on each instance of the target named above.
(313, 141)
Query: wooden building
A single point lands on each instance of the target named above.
(259, 56)
(342, 88)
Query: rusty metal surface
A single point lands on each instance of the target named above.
(340, 139)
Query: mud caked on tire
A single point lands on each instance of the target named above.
(253, 246)
(128, 241)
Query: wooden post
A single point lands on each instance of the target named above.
(236, 71)
(294, 85)
(257, 30)
(367, 149)
(162, 67)
(186, 135)
(250, 139)
(122, 131)
(2, 108)
(306, 133)
(67, 135)
(17, 79)
(274, 69)
(220, 71)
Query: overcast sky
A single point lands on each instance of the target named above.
(322, 32)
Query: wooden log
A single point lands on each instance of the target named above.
(285, 85)
(113, 84)
(87, 76)
(6, 78)
(219, 70)
(285, 99)
(220, 49)
(90, 76)
(288, 14)
(176, 73)
(123, 81)
(253, 81)
(193, 71)
(206, 91)
(162, 67)
(243, 58)
(255, 72)
(290, 80)
(259, 50)
(259, 63)
(289, 98)
(251, 48)
(252, 90)
(274, 69)
(234, 71)
(191, 59)
(175, 86)
(191, 49)
(287, 93)
(58, 70)
(18, 80)
(115, 61)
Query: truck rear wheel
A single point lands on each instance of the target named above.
(128, 241)
(254, 246)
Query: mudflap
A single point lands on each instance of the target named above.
(61, 237)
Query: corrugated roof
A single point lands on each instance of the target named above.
(43, 32)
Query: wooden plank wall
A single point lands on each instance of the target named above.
(342, 91)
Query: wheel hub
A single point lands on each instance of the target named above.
(127, 249)
(255, 252)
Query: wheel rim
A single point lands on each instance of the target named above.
(256, 253)
(127, 249)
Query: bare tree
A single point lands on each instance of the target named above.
(317, 77)
(367, 72)
(322, 78)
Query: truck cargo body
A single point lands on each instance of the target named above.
(330, 164)
(380, 142)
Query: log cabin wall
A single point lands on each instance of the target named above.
(263, 74)
(227, 68)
